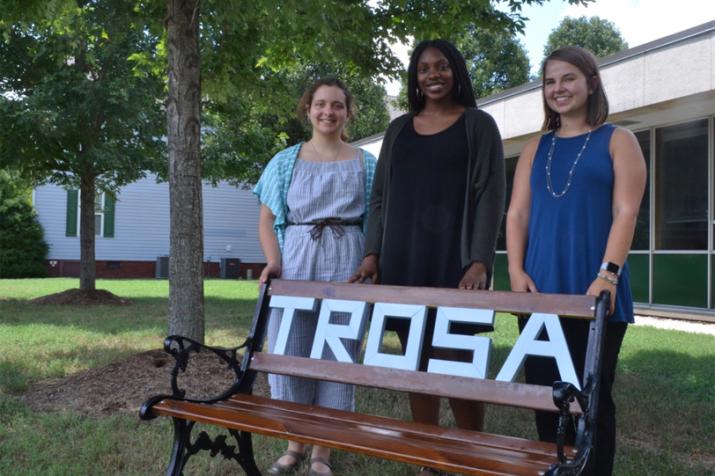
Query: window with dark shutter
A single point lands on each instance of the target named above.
(72, 208)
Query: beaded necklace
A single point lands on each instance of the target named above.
(550, 157)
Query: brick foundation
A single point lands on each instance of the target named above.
(138, 269)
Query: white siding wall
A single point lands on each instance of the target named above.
(373, 147)
(231, 224)
(142, 223)
(51, 205)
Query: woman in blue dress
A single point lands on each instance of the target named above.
(577, 192)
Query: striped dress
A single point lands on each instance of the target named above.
(319, 190)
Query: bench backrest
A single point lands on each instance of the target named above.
(491, 391)
(577, 306)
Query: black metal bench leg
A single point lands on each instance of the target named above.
(245, 452)
(182, 433)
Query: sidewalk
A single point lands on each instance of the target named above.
(676, 324)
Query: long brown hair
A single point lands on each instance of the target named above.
(597, 103)
(307, 99)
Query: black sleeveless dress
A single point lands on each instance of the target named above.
(421, 242)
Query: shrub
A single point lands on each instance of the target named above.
(22, 247)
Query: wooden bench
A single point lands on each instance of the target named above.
(447, 449)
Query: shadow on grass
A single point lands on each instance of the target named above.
(47, 341)
(144, 314)
(17, 374)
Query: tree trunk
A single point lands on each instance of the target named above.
(186, 292)
(87, 265)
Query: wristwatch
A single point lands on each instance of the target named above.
(611, 267)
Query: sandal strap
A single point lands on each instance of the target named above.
(320, 459)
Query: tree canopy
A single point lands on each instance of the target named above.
(256, 58)
(77, 110)
(599, 36)
(496, 60)
(74, 100)
(241, 134)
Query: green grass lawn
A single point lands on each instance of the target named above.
(665, 387)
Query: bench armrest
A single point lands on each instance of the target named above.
(564, 394)
(181, 348)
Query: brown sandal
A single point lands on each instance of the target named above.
(324, 461)
(277, 468)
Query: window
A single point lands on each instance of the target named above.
(642, 233)
(98, 213)
(103, 214)
(681, 187)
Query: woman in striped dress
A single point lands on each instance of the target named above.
(313, 211)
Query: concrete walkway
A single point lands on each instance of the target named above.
(676, 324)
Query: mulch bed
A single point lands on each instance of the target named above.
(82, 298)
(121, 387)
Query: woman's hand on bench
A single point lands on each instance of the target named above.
(475, 277)
(368, 270)
(271, 270)
(521, 282)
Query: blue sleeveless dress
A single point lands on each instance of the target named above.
(568, 235)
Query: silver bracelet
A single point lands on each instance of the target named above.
(610, 279)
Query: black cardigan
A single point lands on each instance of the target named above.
(485, 192)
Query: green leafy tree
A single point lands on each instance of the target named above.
(241, 135)
(496, 60)
(599, 36)
(77, 110)
(22, 247)
(371, 115)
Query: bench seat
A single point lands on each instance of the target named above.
(448, 449)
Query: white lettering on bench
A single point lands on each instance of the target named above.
(527, 344)
(408, 361)
(479, 345)
(289, 304)
(331, 333)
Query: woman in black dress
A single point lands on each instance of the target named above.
(437, 201)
